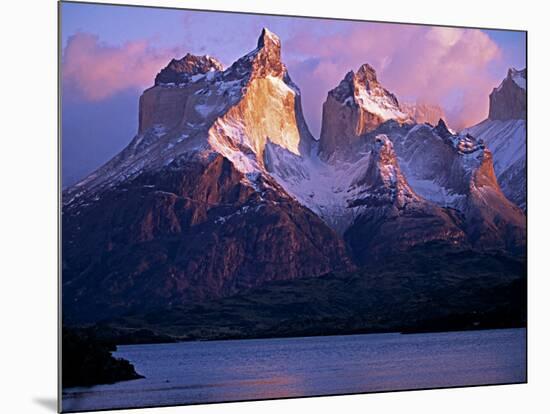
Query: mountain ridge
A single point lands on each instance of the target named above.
(224, 189)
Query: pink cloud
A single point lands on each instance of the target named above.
(445, 66)
(96, 70)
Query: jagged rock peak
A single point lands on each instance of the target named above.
(384, 179)
(363, 89)
(268, 108)
(441, 129)
(263, 61)
(350, 87)
(366, 74)
(464, 142)
(358, 105)
(181, 70)
(266, 59)
(268, 39)
(364, 77)
(509, 99)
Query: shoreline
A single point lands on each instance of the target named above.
(406, 333)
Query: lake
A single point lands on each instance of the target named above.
(202, 372)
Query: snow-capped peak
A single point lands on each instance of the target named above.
(373, 97)
(365, 102)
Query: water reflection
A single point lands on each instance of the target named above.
(273, 368)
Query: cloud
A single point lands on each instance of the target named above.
(445, 66)
(95, 70)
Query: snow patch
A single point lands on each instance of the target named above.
(280, 86)
(227, 137)
(519, 80)
(379, 104)
(506, 140)
(434, 192)
(326, 189)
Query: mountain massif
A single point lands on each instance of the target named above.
(224, 190)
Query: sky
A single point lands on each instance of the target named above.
(110, 54)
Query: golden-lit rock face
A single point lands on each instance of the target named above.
(485, 174)
(268, 109)
(266, 112)
(490, 216)
(252, 102)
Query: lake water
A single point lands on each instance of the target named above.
(202, 372)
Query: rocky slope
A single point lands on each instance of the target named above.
(456, 171)
(394, 218)
(427, 288)
(505, 134)
(188, 232)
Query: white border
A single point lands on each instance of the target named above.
(29, 204)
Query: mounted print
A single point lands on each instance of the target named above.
(257, 206)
